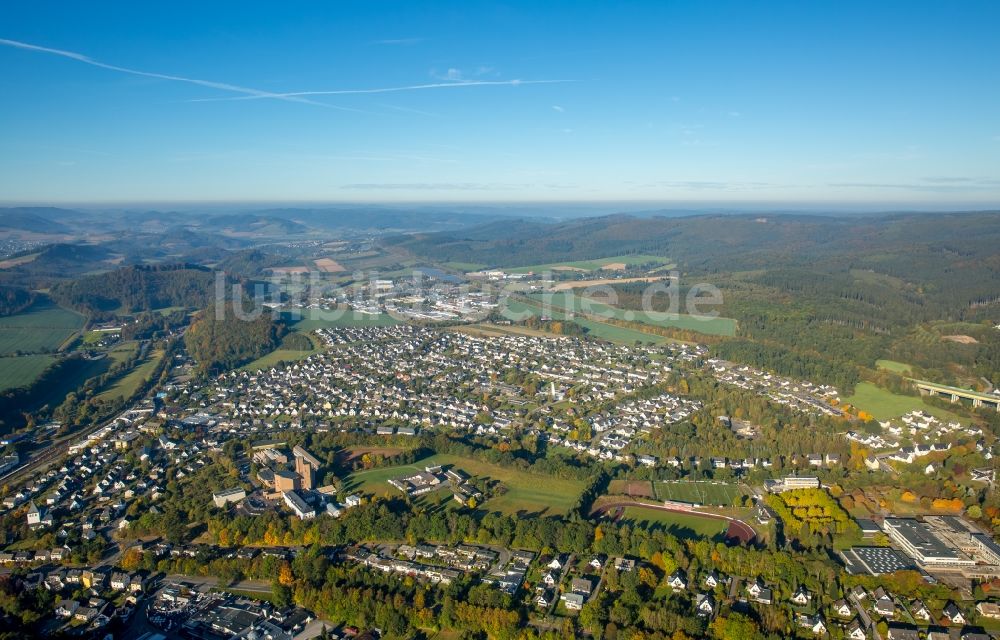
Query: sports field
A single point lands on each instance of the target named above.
(44, 327)
(593, 265)
(706, 493)
(641, 488)
(312, 319)
(20, 371)
(682, 525)
(527, 493)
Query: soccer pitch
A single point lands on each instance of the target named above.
(707, 493)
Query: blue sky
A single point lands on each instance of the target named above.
(674, 102)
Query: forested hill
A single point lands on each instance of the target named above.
(137, 288)
(219, 340)
(950, 257)
(715, 242)
(14, 300)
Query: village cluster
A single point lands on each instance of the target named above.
(426, 295)
(799, 394)
(501, 567)
(399, 380)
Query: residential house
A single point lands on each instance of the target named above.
(713, 579)
(954, 614)
(814, 623)
(902, 632)
(855, 631)
(841, 609)
(67, 608)
(884, 606)
(920, 611)
(582, 586)
(705, 605)
(678, 580)
(801, 596)
(572, 601)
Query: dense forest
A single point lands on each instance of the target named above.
(219, 339)
(14, 300)
(813, 296)
(137, 288)
(928, 265)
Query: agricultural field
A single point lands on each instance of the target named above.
(44, 327)
(280, 355)
(612, 263)
(883, 404)
(521, 310)
(526, 492)
(312, 319)
(569, 301)
(128, 384)
(78, 371)
(123, 351)
(464, 266)
(20, 371)
(486, 329)
(682, 525)
(892, 365)
(91, 338)
(706, 493)
(623, 335)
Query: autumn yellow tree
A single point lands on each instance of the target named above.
(285, 575)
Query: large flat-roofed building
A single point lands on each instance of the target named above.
(790, 483)
(876, 560)
(987, 548)
(299, 506)
(918, 542)
(224, 497)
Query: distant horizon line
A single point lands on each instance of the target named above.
(636, 205)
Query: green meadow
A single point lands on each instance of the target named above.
(526, 492)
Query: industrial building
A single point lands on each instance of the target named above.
(920, 543)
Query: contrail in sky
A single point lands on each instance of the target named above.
(225, 86)
(412, 87)
(249, 93)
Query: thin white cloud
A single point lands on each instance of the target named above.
(558, 108)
